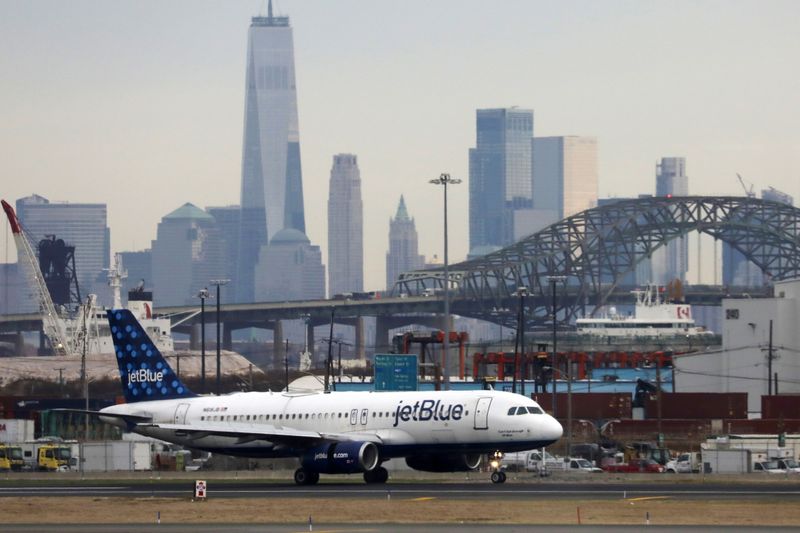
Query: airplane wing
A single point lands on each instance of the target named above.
(278, 435)
(130, 418)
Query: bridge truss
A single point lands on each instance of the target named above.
(594, 250)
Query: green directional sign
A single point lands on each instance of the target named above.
(395, 372)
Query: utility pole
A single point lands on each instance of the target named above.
(769, 359)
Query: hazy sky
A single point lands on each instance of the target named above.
(139, 104)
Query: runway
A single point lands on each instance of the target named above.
(598, 489)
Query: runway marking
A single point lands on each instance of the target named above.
(35, 489)
(341, 530)
(646, 498)
(422, 499)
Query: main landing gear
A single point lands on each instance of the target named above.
(377, 475)
(305, 477)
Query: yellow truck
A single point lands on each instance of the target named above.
(47, 455)
(11, 458)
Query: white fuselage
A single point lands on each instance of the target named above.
(401, 423)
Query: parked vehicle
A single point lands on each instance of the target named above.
(47, 455)
(531, 461)
(768, 467)
(579, 464)
(636, 466)
(11, 457)
(684, 463)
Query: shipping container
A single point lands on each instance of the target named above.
(780, 406)
(589, 405)
(697, 405)
(726, 461)
(110, 456)
(15, 430)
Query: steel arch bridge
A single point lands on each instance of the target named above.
(595, 249)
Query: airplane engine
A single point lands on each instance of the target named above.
(444, 463)
(342, 458)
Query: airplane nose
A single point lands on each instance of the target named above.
(552, 429)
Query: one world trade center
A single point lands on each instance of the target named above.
(272, 180)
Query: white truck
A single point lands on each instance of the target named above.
(684, 463)
(531, 461)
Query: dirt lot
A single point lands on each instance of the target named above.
(662, 511)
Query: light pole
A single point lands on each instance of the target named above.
(553, 280)
(218, 283)
(568, 376)
(329, 360)
(522, 292)
(444, 180)
(203, 294)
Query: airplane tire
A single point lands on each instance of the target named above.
(378, 475)
(305, 477)
(498, 477)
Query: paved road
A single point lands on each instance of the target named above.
(518, 491)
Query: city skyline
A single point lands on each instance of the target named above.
(399, 85)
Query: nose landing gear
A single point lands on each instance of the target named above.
(498, 476)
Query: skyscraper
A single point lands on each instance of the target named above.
(186, 254)
(565, 174)
(672, 261)
(81, 225)
(290, 268)
(272, 188)
(403, 253)
(500, 174)
(345, 227)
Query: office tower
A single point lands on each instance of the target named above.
(83, 226)
(736, 269)
(672, 261)
(345, 227)
(12, 289)
(500, 174)
(228, 219)
(564, 174)
(290, 268)
(403, 253)
(272, 189)
(186, 254)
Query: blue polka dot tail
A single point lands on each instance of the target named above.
(144, 372)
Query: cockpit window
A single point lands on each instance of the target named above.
(522, 411)
(535, 410)
(512, 410)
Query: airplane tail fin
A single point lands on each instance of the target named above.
(144, 372)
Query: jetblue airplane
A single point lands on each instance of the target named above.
(330, 433)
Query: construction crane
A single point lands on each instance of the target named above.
(748, 192)
(52, 325)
